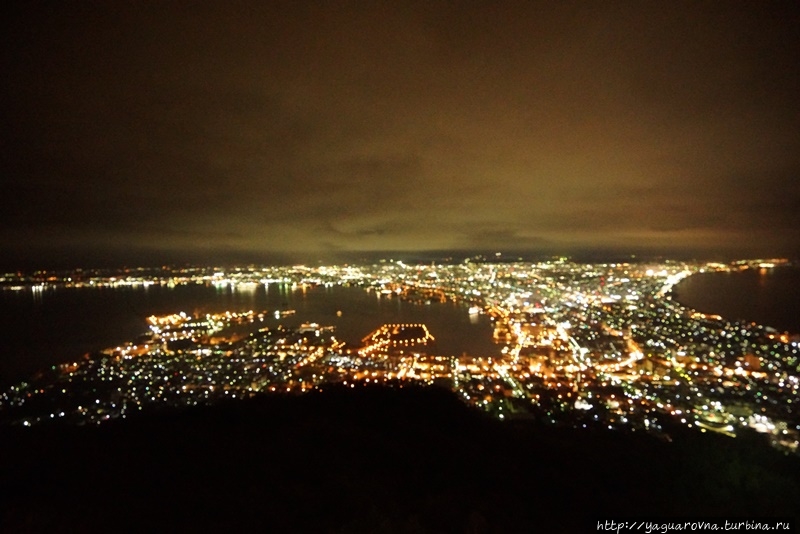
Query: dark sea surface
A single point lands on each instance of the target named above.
(766, 296)
(41, 329)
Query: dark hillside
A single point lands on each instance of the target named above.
(371, 459)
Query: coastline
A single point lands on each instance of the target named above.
(729, 305)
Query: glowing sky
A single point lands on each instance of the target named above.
(169, 130)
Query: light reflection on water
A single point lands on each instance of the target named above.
(55, 325)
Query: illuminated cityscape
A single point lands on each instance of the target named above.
(421, 266)
(583, 345)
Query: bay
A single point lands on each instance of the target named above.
(770, 297)
(44, 328)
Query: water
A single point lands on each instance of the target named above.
(40, 329)
(766, 296)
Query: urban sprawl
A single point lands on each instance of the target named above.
(583, 345)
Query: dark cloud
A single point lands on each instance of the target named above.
(306, 129)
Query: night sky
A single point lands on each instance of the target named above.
(139, 132)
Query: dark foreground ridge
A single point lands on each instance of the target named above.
(372, 459)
